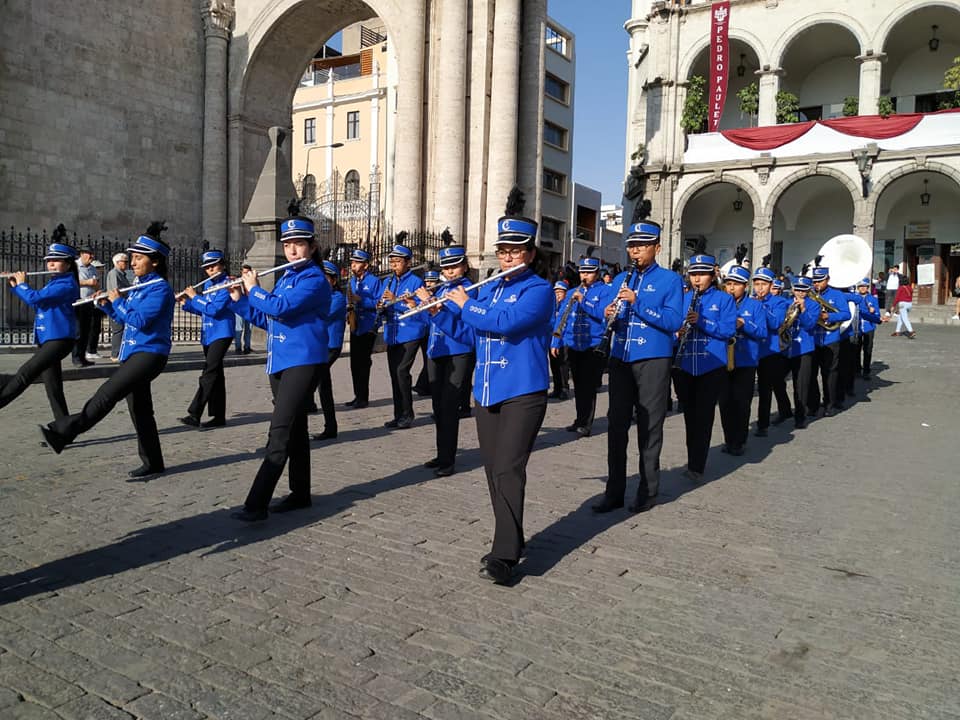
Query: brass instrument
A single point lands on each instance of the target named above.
(351, 307)
(825, 307)
(562, 325)
(731, 353)
(786, 327)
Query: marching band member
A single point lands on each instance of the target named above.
(511, 320)
(773, 364)
(751, 332)
(423, 385)
(776, 287)
(559, 370)
(451, 350)
(54, 326)
(801, 349)
(363, 291)
(295, 316)
(401, 336)
(701, 373)
(644, 315)
(216, 334)
(849, 346)
(869, 319)
(147, 316)
(826, 355)
(337, 318)
(581, 336)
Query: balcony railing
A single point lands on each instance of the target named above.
(319, 77)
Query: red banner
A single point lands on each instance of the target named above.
(719, 61)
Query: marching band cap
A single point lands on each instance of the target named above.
(645, 232)
(150, 243)
(400, 251)
(765, 273)
(702, 264)
(330, 269)
(738, 273)
(452, 255)
(865, 282)
(210, 258)
(802, 283)
(431, 275)
(296, 228)
(360, 255)
(778, 283)
(512, 227)
(588, 264)
(560, 285)
(60, 251)
(820, 273)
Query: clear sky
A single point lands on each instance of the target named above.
(600, 102)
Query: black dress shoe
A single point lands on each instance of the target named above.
(145, 471)
(736, 450)
(642, 505)
(572, 428)
(583, 431)
(214, 423)
(606, 505)
(190, 420)
(432, 463)
(350, 403)
(725, 448)
(799, 424)
(327, 434)
(760, 432)
(249, 515)
(497, 571)
(444, 471)
(465, 413)
(289, 503)
(360, 404)
(404, 423)
(55, 441)
(391, 423)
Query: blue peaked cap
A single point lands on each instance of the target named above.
(211, 257)
(296, 228)
(452, 255)
(645, 231)
(764, 273)
(146, 245)
(59, 251)
(401, 251)
(589, 264)
(431, 275)
(702, 263)
(330, 269)
(802, 283)
(515, 230)
(821, 273)
(360, 255)
(738, 273)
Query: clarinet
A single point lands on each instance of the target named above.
(619, 309)
(562, 325)
(687, 327)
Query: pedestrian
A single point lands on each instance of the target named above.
(118, 277)
(892, 285)
(89, 284)
(903, 301)
(241, 329)
(956, 293)
(337, 318)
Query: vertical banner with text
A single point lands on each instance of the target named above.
(719, 61)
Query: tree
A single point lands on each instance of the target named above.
(885, 107)
(851, 106)
(749, 98)
(695, 106)
(788, 107)
(951, 81)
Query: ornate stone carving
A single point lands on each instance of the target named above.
(763, 173)
(218, 17)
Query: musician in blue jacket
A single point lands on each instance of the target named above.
(644, 312)
(363, 295)
(869, 319)
(401, 336)
(451, 349)
(701, 362)
(582, 315)
(826, 356)
(54, 326)
(849, 346)
(511, 320)
(801, 349)
(751, 333)
(295, 316)
(217, 331)
(337, 323)
(773, 364)
(146, 312)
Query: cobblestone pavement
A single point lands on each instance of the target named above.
(815, 577)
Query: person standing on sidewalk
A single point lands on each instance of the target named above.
(117, 278)
(903, 301)
(337, 323)
(89, 284)
(892, 285)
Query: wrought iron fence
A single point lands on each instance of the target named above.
(24, 250)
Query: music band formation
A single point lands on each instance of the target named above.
(499, 337)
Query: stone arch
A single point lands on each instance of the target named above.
(845, 21)
(785, 184)
(698, 46)
(911, 168)
(901, 11)
(704, 182)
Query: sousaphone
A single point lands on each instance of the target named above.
(849, 259)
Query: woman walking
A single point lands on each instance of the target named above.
(903, 301)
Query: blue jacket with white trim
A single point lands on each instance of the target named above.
(645, 329)
(775, 309)
(395, 330)
(449, 335)
(56, 318)
(753, 334)
(705, 347)
(338, 319)
(218, 320)
(838, 299)
(147, 317)
(801, 333)
(366, 293)
(586, 322)
(869, 313)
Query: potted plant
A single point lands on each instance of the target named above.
(788, 107)
(694, 115)
(851, 106)
(885, 107)
(749, 98)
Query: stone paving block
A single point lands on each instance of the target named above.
(455, 689)
(156, 706)
(446, 710)
(113, 687)
(88, 707)
(27, 710)
(34, 683)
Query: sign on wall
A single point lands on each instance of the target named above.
(925, 274)
(719, 61)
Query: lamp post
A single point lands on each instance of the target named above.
(306, 165)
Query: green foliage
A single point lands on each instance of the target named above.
(951, 78)
(695, 106)
(885, 106)
(950, 103)
(749, 98)
(851, 106)
(788, 107)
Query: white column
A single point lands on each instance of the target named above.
(328, 155)
(407, 190)
(217, 19)
(504, 95)
(767, 100)
(451, 119)
(871, 70)
(530, 145)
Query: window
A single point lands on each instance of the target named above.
(309, 131)
(555, 41)
(310, 188)
(353, 125)
(550, 229)
(553, 181)
(811, 113)
(556, 88)
(351, 186)
(555, 135)
(931, 102)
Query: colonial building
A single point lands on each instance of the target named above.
(785, 182)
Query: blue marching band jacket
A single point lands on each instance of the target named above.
(147, 317)
(449, 335)
(705, 346)
(802, 331)
(753, 334)
(869, 313)
(775, 310)
(55, 318)
(366, 293)
(586, 322)
(297, 332)
(395, 330)
(838, 300)
(217, 316)
(512, 321)
(337, 319)
(645, 329)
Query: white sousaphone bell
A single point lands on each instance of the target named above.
(849, 259)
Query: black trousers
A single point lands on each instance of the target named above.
(325, 388)
(448, 376)
(864, 356)
(131, 381)
(288, 437)
(637, 388)
(801, 371)
(45, 364)
(96, 327)
(212, 391)
(560, 371)
(586, 368)
(772, 381)
(85, 315)
(422, 384)
(699, 395)
(400, 359)
(826, 361)
(506, 433)
(734, 404)
(848, 352)
(361, 348)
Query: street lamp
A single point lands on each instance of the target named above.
(306, 166)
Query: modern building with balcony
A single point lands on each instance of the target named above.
(811, 157)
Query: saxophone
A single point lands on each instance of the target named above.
(785, 331)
